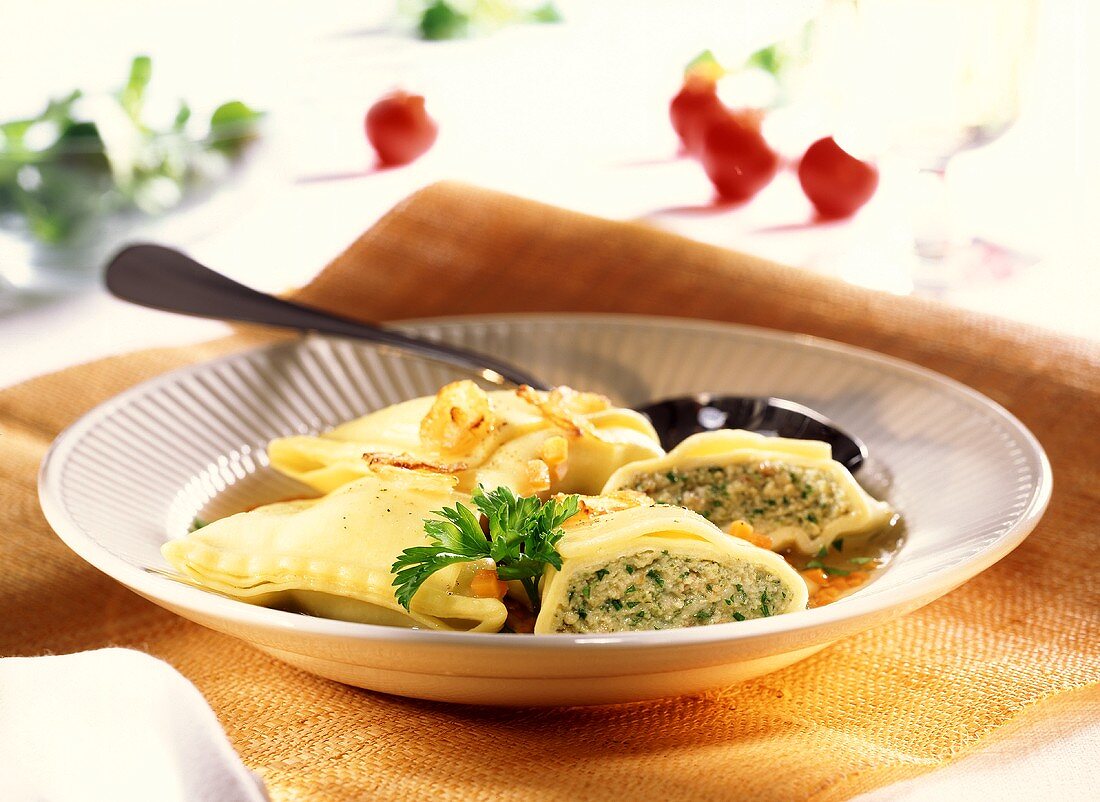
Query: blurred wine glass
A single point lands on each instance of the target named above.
(921, 81)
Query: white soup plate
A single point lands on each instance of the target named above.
(969, 480)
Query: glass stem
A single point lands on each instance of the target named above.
(932, 227)
(934, 234)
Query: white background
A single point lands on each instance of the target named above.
(573, 114)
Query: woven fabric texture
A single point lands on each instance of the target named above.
(882, 706)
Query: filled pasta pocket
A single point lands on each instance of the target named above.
(792, 492)
(650, 567)
(331, 556)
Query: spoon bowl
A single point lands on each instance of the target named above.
(676, 419)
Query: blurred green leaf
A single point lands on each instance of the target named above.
(56, 201)
(183, 114)
(546, 13)
(785, 56)
(81, 146)
(11, 137)
(232, 124)
(233, 114)
(448, 19)
(767, 59)
(441, 21)
(133, 94)
(84, 134)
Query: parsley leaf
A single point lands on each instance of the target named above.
(522, 539)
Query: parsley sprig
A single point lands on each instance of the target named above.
(522, 540)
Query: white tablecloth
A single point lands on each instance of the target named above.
(112, 724)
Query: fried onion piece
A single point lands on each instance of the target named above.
(408, 463)
(401, 476)
(460, 419)
(565, 408)
(595, 506)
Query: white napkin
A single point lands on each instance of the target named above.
(112, 724)
(1048, 752)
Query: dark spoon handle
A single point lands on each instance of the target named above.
(163, 278)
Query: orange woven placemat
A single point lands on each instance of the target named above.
(885, 705)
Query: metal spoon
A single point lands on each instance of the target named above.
(163, 278)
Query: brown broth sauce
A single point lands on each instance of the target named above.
(848, 564)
